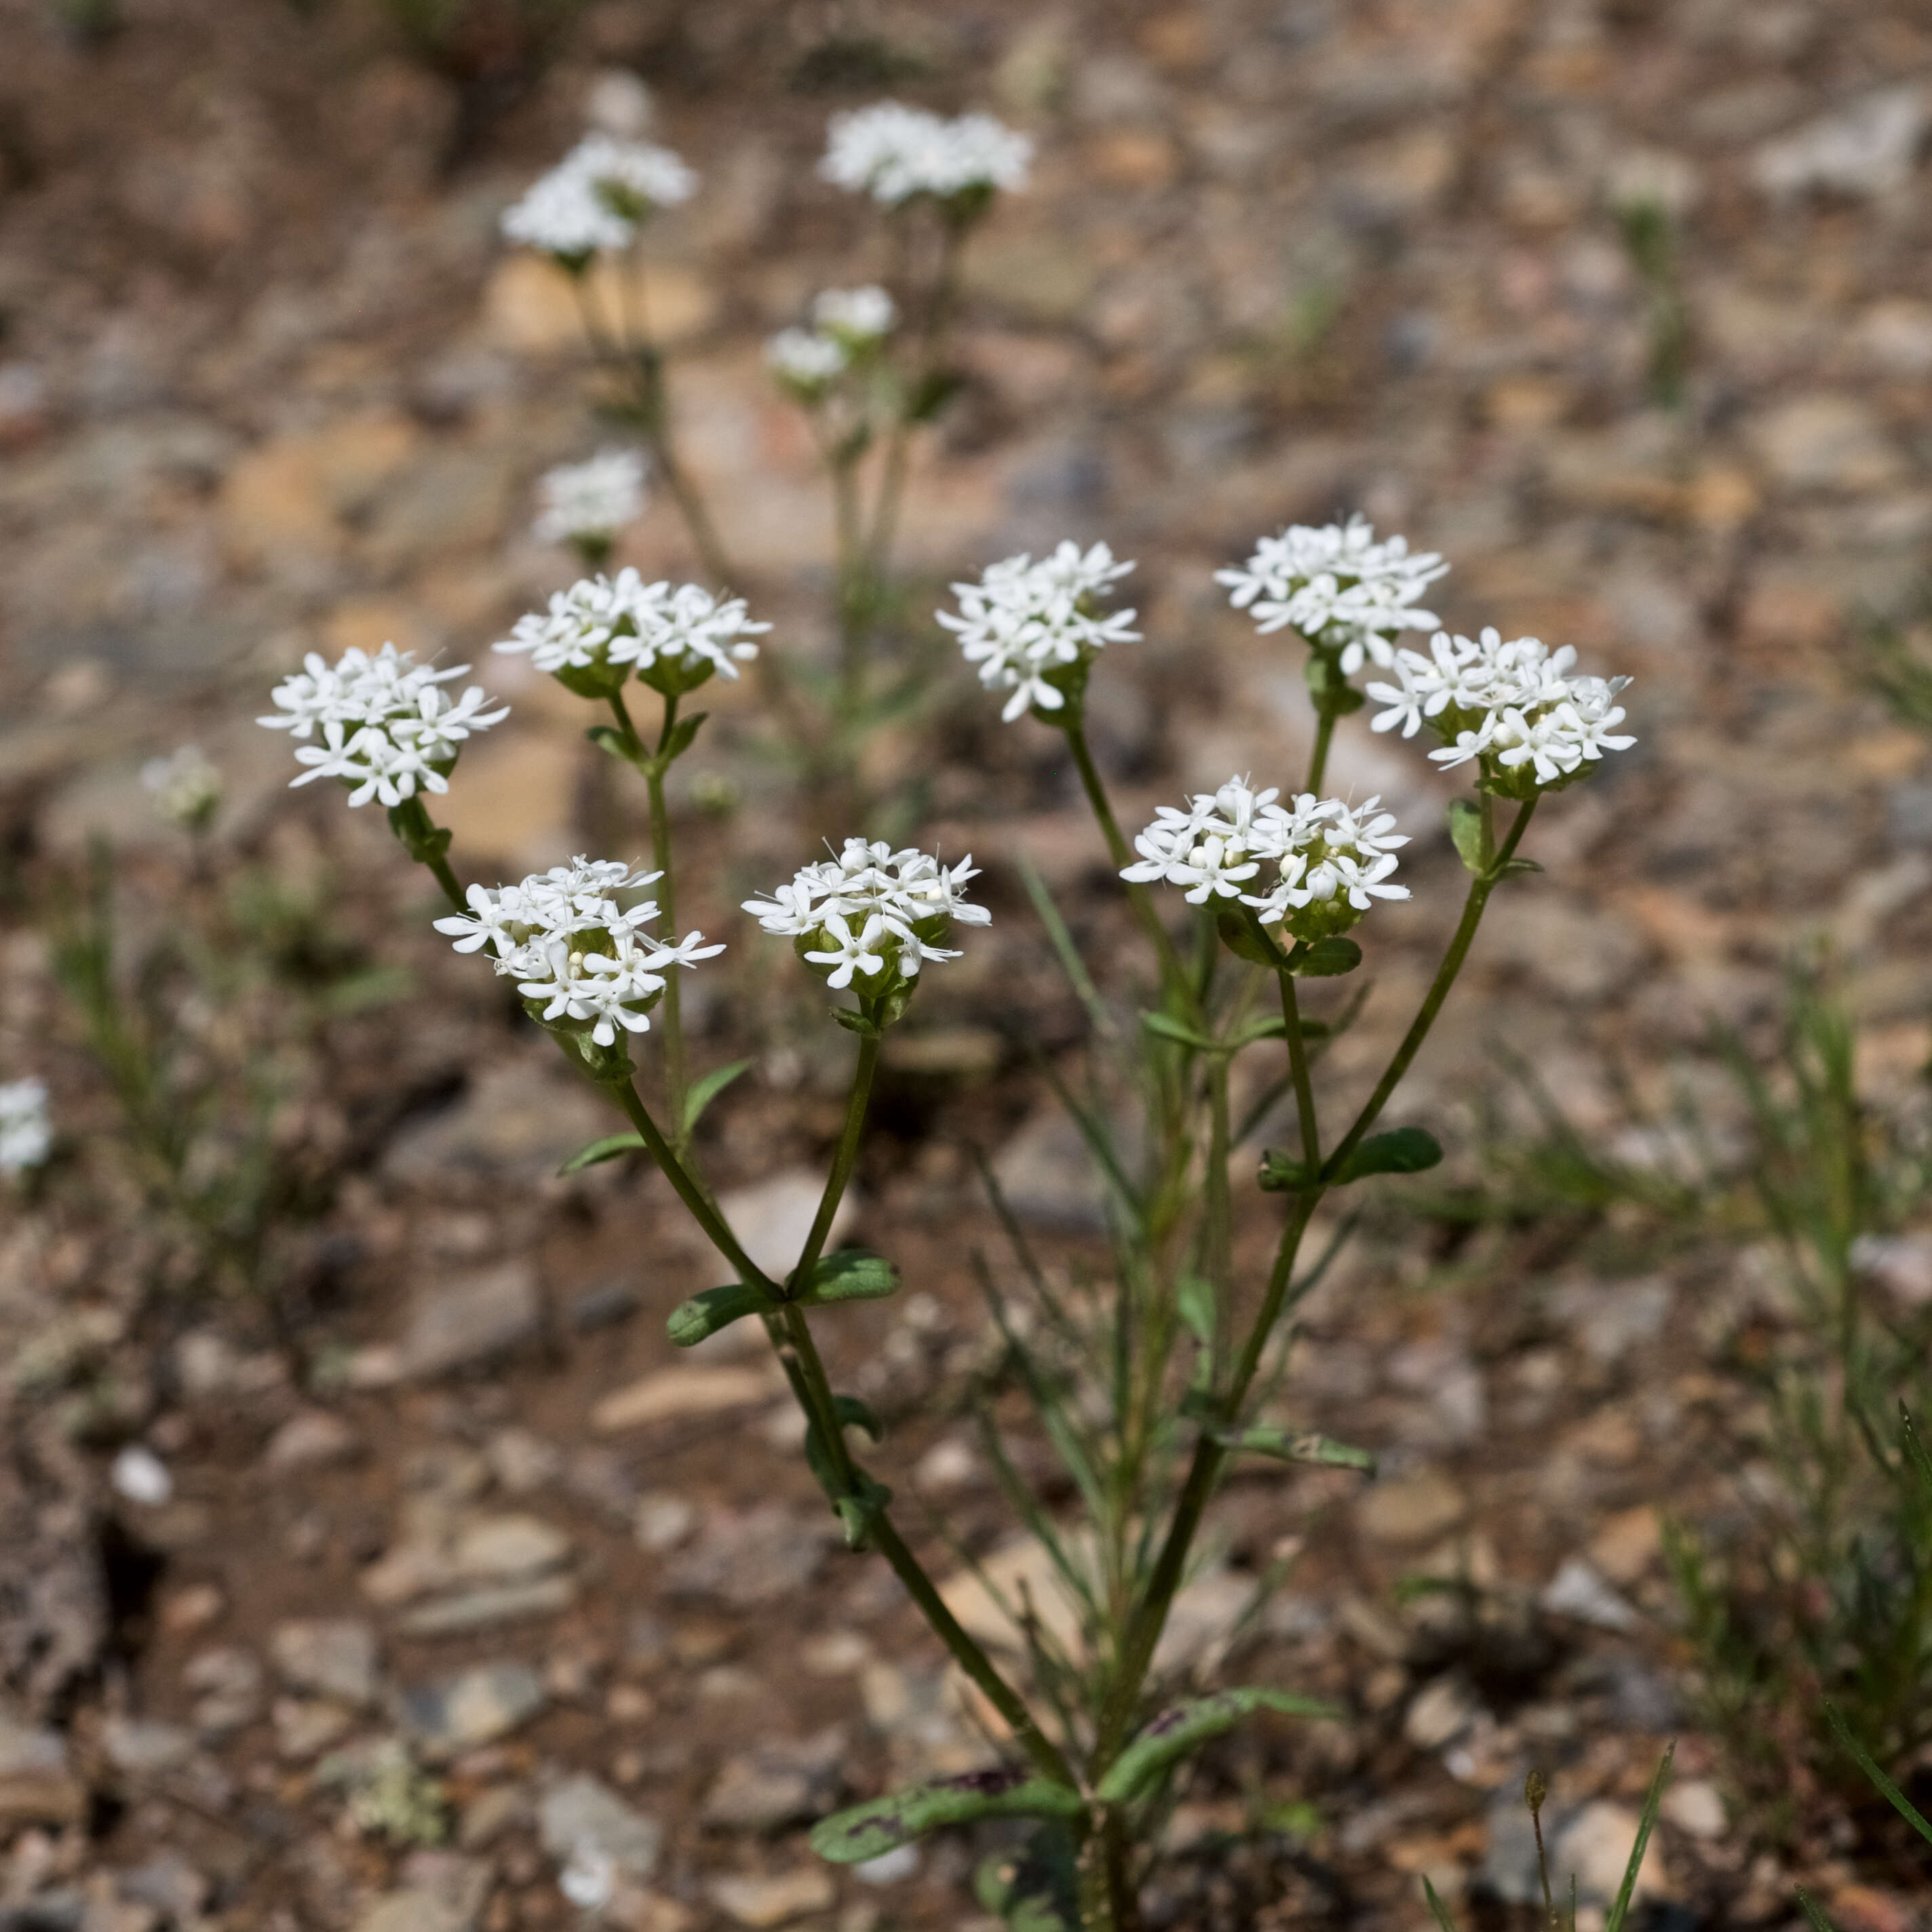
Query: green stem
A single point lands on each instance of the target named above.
(843, 1161)
(1297, 1062)
(425, 842)
(1317, 763)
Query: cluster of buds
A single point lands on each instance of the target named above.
(187, 787)
(1342, 591)
(26, 1131)
(1516, 709)
(899, 154)
(581, 962)
(388, 729)
(848, 328)
(1034, 629)
(1313, 866)
(586, 504)
(868, 916)
(594, 201)
(594, 635)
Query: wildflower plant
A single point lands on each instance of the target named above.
(1164, 1378)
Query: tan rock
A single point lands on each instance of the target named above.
(1825, 441)
(1411, 1509)
(773, 1901)
(291, 493)
(1626, 1546)
(513, 797)
(668, 1394)
(529, 304)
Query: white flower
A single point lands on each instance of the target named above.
(893, 153)
(589, 1879)
(871, 911)
(806, 362)
(579, 958)
(1329, 861)
(139, 1475)
(388, 729)
(187, 786)
(26, 1131)
(592, 202)
(1033, 628)
(1515, 706)
(592, 500)
(1336, 586)
(683, 635)
(862, 315)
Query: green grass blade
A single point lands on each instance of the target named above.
(1893, 1796)
(1808, 1906)
(1437, 1909)
(1064, 949)
(1652, 1799)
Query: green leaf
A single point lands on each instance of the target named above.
(853, 1414)
(1510, 868)
(704, 1091)
(1282, 1173)
(855, 1022)
(1808, 1906)
(1652, 1799)
(939, 388)
(703, 1315)
(1160, 1024)
(1179, 1732)
(1241, 940)
(858, 1512)
(849, 1274)
(1888, 1791)
(682, 734)
(1330, 690)
(1325, 958)
(1400, 1150)
(608, 1148)
(1466, 832)
(608, 738)
(1438, 1910)
(1294, 1445)
(1194, 1303)
(865, 1831)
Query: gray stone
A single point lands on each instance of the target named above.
(603, 1305)
(518, 1120)
(1825, 441)
(333, 1656)
(522, 1461)
(775, 1900)
(465, 1324)
(1865, 149)
(228, 1681)
(141, 1748)
(489, 1608)
(312, 1438)
(507, 1549)
(582, 1810)
(36, 1786)
(1440, 1712)
(1595, 1846)
(410, 1910)
(305, 1727)
(474, 1707)
(1047, 1174)
(1577, 1591)
(775, 1784)
(169, 1884)
(752, 1558)
(773, 1217)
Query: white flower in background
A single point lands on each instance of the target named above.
(577, 955)
(859, 315)
(591, 502)
(589, 1879)
(1033, 628)
(596, 632)
(894, 153)
(389, 729)
(806, 363)
(871, 913)
(26, 1130)
(1341, 589)
(1314, 865)
(187, 786)
(1516, 707)
(593, 200)
(140, 1476)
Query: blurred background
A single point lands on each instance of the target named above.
(426, 1557)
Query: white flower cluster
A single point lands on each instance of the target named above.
(1033, 628)
(595, 633)
(894, 153)
(871, 911)
(1317, 864)
(187, 786)
(26, 1132)
(1341, 589)
(389, 729)
(593, 200)
(591, 502)
(847, 324)
(578, 957)
(1516, 707)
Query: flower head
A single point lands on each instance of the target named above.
(868, 915)
(1345, 593)
(1314, 865)
(855, 316)
(26, 1132)
(1515, 709)
(388, 729)
(588, 503)
(579, 957)
(805, 363)
(187, 788)
(593, 201)
(895, 153)
(1034, 628)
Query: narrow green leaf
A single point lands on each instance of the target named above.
(1437, 1909)
(849, 1274)
(1177, 1732)
(1892, 1796)
(1194, 1303)
(858, 1512)
(1808, 1906)
(1064, 949)
(865, 1831)
(937, 388)
(1282, 1173)
(1510, 868)
(853, 1413)
(608, 738)
(703, 1315)
(1241, 940)
(1294, 1445)
(1652, 1799)
(1400, 1150)
(1325, 958)
(704, 1091)
(1915, 1450)
(1167, 1029)
(855, 1022)
(608, 1148)
(682, 734)
(1465, 832)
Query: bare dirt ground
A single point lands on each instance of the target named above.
(269, 382)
